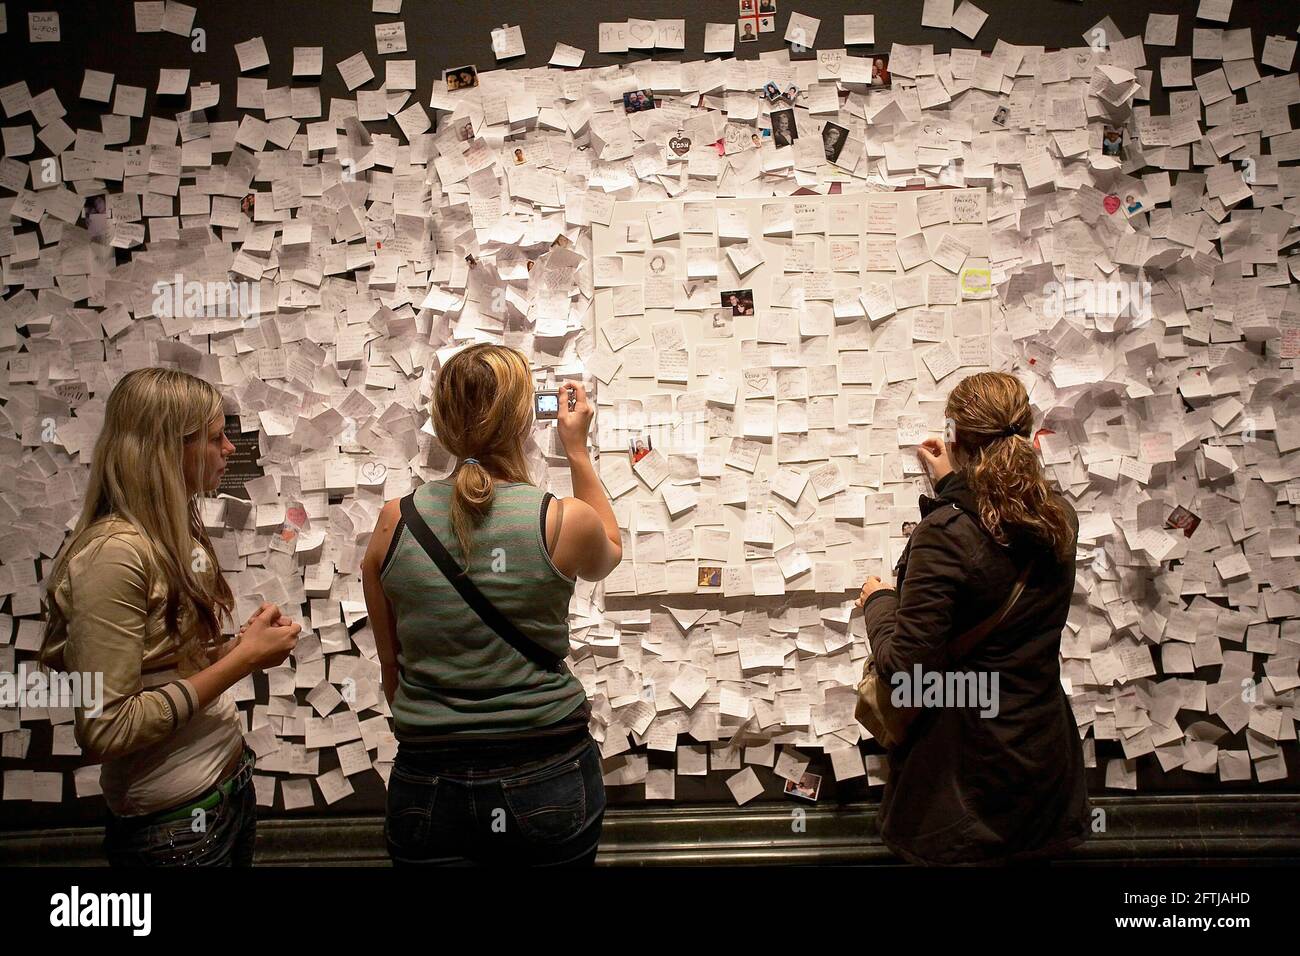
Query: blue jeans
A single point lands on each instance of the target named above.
(220, 836)
(523, 804)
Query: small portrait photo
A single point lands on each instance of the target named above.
(771, 90)
(1134, 204)
(880, 71)
(746, 29)
(96, 210)
(639, 446)
(460, 78)
(740, 301)
(638, 100)
(808, 787)
(1112, 141)
(563, 241)
(834, 137)
(908, 528)
(767, 6)
(1000, 116)
(791, 94)
(247, 204)
(766, 24)
(1180, 517)
(517, 154)
(784, 132)
(746, 7)
(709, 576)
(465, 131)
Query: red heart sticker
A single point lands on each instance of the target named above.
(1111, 203)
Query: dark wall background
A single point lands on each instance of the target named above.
(101, 36)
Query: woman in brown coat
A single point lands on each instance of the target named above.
(1000, 778)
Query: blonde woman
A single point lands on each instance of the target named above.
(494, 761)
(136, 595)
(998, 778)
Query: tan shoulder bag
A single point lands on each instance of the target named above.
(875, 709)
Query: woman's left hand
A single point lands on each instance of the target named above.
(262, 607)
(872, 585)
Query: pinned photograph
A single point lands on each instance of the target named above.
(1000, 116)
(740, 301)
(784, 132)
(908, 528)
(771, 90)
(880, 72)
(791, 94)
(709, 576)
(96, 210)
(1112, 141)
(1183, 519)
(766, 24)
(460, 78)
(1134, 203)
(248, 205)
(834, 137)
(746, 8)
(639, 446)
(767, 6)
(637, 101)
(517, 154)
(808, 787)
(748, 30)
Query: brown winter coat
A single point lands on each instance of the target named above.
(966, 788)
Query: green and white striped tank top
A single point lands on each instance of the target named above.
(458, 676)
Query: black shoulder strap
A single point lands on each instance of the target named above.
(475, 598)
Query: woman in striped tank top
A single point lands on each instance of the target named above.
(495, 764)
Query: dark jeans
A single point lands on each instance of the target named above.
(525, 803)
(220, 836)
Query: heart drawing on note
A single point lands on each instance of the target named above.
(373, 472)
(1110, 203)
(680, 145)
(641, 32)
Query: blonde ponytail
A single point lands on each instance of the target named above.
(482, 409)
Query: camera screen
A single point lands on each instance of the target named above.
(548, 404)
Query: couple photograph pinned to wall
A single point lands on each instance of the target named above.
(740, 301)
(460, 78)
(638, 101)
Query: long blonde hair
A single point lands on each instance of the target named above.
(1003, 470)
(482, 407)
(138, 474)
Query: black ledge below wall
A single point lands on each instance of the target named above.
(1140, 831)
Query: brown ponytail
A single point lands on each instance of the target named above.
(482, 409)
(992, 421)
